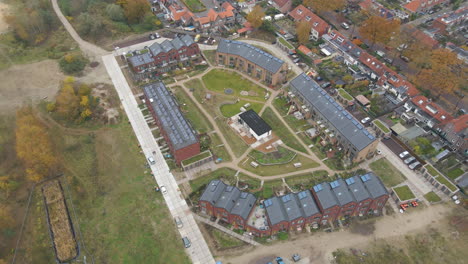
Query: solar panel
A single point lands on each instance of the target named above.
(334, 184)
(350, 181)
(370, 137)
(318, 188)
(359, 126)
(355, 122)
(244, 195)
(365, 177)
(229, 188)
(286, 198)
(302, 195)
(366, 132)
(267, 203)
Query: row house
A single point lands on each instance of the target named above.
(284, 6)
(341, 127)
(343, 46)
(461, 53)
(181, 138)
(212, 21)
(378, 9)
(227, 203)
(253, 61)
(455, 134)
(163, 57)
(422, 6)
(421, 109)
(318, 27)
(454, 19)
(420, 37)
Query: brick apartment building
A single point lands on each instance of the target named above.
(181, 138)
(163, 57)
(318, 27)
(326, 202)
(343, 129)
(418, 6)
(252, 61)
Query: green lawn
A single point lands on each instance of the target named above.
(285, 42)
(382, 127)
(229, 110)
(196, 158)
(279, 169)
(432, 197)
(238, 146)
(191, 111)
(282, 155)
(281, 104)
(345, 94)
(122, 219)
(253, 183)
(219, 80)
(404, 193)
(225, 241)
(217, 150)
(282, 131)
(455, 173)
(225, 173)
(389, 175)
(210, 55)
(195, 5)
(441, 179)
(307, 180)
(269, 188)
(432, 171)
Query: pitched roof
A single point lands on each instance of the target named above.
(307, 203)
(179, 130)
(275, 210)
(141, 59)
(373, 185)
(213, 191)
(325, 196)
(168, 45)
(177, 11)
(281, 3)
(304, 49)
(342, 193)
(244, 205)
(228, 198)
(413, 6)
(357, 189)
(252, 54)
(420, 36)
(255, 122)
(459, 124)
(432, 109)
(336, 115)
(301, 13)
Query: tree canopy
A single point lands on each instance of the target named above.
(321, 6)
(303, 31)
(379, 30)
(255, 17)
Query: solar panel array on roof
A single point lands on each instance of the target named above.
(318, 188)
(350, 181)
(180, 132)
(374, 185)
(334, 184)
(140, 59)
(267, 203)
(251, 53)
(365, 177)
(348, 127)
(168, 45)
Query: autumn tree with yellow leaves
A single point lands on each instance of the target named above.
(255, 17)
(33, 146)
(377, 29)
(303, 31)
(320, 6)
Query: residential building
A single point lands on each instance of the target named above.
(252, 61)
(453, 20)
(455, 133)
(343, 46)
(318, 26)
(422, 6)
(421, 109)
(357, 143)
(326, 202)
(163, 57)
(227, 203)
(345, 198)
(420, 37)
(362, 197)
(181, 138)
(254, 125)
(378, 9)
(284, 6)
(377, 191)
(461, 53)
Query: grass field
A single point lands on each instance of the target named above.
(219, 80)
(218, 150)
(432, 197)
(307, 180)
(283, 155)
(225, 173)
(121, 218)
(229, 110)
(404, 193)
(225, 241)
(390, 175)
(455, 173)
(282, 131)
(281, 104)
(279, 169)
(269, 188)
(210, 55)
(195, 5)
(238, 146)
(191, 111)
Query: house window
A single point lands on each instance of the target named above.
(316, 24)
(300, 221)
(299, 11)
(340, 39)
(332, 34)
(307, 18)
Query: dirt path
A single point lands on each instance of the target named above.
(4, 10)
(318, 247)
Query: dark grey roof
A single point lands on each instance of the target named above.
(187, 39)
(462, 181)
(338, 117)
(167, 45)
(255, 122)
(141, 59)
(228, 198)
(180, 132)
(177, 43)
(307, 203)
(155, 49)
(325, 195)
(244, 205)
(291, 206)
(357, 188)
(275, 210)
(213, 191)
(373, 185)
(341, 191)
(251, 53)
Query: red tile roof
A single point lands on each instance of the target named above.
(432, 109)
(413, 6)
(281, 3)
(304, 49)
(366, 4)
(301, 13)
(177, 11)
(460, 123)
(374, 64)
(422, 37)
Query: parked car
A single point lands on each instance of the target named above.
(326, 85)
(380, 53)
(409, 160)
(279, 260)
(186, 242)
(156, 35)
(151, 36)
(318, 79)
(151, 160)
(414, 165)
(178, 222)
(344, 25)
(163, 189)
(365, 120)
(404, 58)
(404, 154)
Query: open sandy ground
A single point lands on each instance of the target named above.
(3, 11)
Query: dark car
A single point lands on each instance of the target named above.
(319, 78)
(326, 85)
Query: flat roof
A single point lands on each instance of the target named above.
(255, 122)
(166, 108)
(336, 115)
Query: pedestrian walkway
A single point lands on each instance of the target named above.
(227, 231)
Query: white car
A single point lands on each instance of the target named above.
(178, 222)
(365, 120)
(163, 189)
(404, 154)
(414, 165)
(409, 160)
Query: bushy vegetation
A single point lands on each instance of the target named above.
(72, 63)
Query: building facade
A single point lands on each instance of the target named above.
(252, 61)
(163, 57)
(254, 125)
(181, 138)
(318, 27)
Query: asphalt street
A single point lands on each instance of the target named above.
(199, 251)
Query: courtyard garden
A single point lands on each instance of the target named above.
(389, 175)
(229, 110)
(282, 155)
(404, 193)
(270, 170)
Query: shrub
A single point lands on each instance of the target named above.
(72, 63)
(115, 12)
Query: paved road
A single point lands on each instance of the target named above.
(199, 251)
